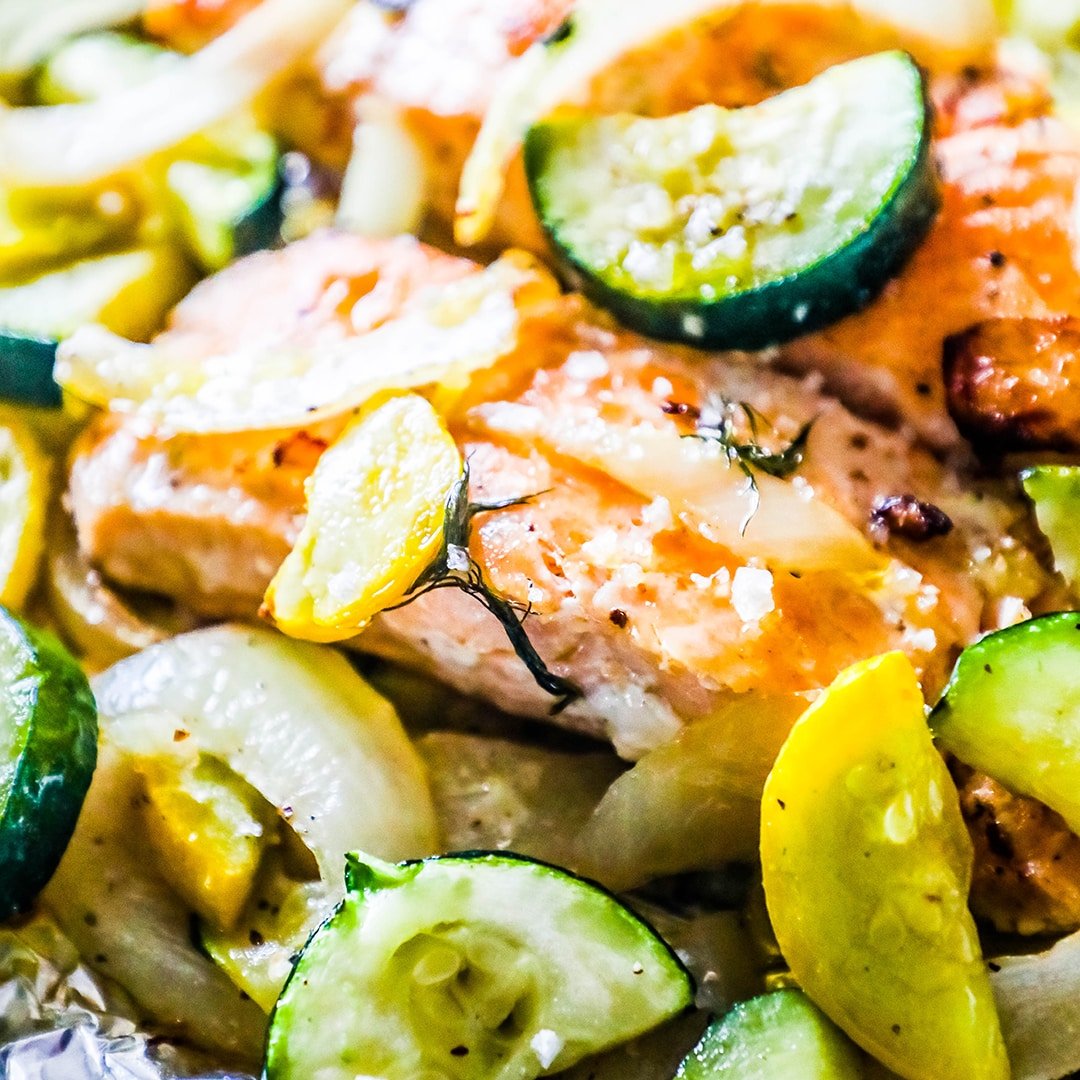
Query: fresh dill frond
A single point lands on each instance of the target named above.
(718, 423)
(454, 567)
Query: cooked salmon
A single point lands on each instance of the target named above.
(654, 612)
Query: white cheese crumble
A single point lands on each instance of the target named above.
(751, 593)
(546, 1045)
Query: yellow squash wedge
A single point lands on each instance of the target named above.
(866, 866)
(24, 484)
(375, 520)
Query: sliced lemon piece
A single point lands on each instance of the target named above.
(376, 502)
(866, 866)
(24, 487)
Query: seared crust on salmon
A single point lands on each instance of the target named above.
(655, 614)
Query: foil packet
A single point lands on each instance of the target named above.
(59, 1020)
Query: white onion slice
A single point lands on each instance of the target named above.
(442, 335)
(548, 75)
(1038, 999)
(778, 525)
(77, 144)
(385, 184)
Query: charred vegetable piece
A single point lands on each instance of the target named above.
(1055, 491)
(482, 965)
(48, 747)
(866, 866)
(1014, 384)
(779, 1036)
(1012, 710)
(743, 228)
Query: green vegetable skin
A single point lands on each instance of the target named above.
(119, 253)
(780, 1036)
(744, 228)
(484, 965)
(48, 749)
(1055, 491)
(1012, 710)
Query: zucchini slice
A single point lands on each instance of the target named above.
(48, 749)
(220, 188)
(295, 723)
(743, 228)
(1055, 491)
(482, 965)
(779, 1036)
(1012, 710)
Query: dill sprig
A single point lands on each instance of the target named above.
(718, 422)
(454, 567)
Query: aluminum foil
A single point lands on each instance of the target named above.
(59, 1020)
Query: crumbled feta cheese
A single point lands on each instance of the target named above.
(751, 593)
(546, 1045)
(1010, 611)
(586, 364)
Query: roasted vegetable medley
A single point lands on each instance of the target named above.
(539, 538)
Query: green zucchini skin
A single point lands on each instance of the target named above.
(51, 704)
(26, 367)
(459, 878)
(1012, 710)
(840, 282)
(777, 1036)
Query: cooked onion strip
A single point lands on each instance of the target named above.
(558, 71)
(775, 524)
(441, 336)
(77, 144)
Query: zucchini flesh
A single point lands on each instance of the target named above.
(482, 965)
(779, 1036)
(1055, 491)
(297, 724)
(1012, 710)
(744, 228)
(48, 749)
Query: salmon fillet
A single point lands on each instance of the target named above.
(656, 616)
(1003, 246)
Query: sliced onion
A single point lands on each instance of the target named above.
(30, 29)
(553, 73)
(129, 924)
(777, 525)
(293, 720)
(385, 184)
(77, 144)
(1038, 999)
(442, 335)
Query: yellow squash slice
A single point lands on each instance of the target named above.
(866, 866)
(376, 502)
(24, 483)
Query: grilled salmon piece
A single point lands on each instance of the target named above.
(657, 615)
(1002, 248)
